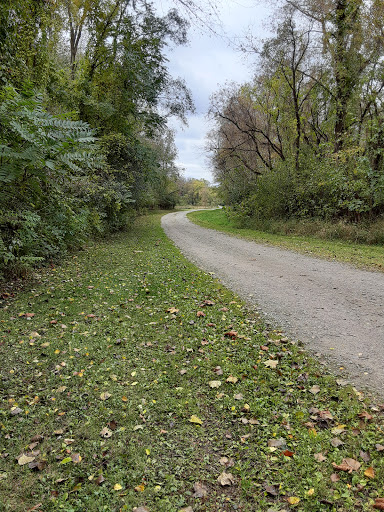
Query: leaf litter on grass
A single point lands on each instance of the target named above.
(113, 384)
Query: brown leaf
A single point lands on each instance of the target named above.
(112, 425)
(288, 453)
(218, 370)
(379, 447)
(200, 490)
(325, 415)
(224, 461)
(76, 458)
(365, 415)
(226, 479)
(335, 442)
(238, 396)
(231, 334)
(347, 464)
(379, 503)
(99, 480)
(320, 457)
(315, 389)
(141, 509)
(272, 490)
(200, 313)
(335, 477)
(38, 465)
(365, 456)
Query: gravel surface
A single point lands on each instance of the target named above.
(335, 309)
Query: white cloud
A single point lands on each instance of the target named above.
(206, 64)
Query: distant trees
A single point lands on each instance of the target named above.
(305, 137)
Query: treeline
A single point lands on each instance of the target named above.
(305, 138)
(85, 95)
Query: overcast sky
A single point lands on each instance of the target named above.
(207, 63)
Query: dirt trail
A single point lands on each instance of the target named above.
(335, 309)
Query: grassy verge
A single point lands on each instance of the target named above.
(132, 379)
(365, 256)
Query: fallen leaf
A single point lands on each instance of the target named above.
(379, 503)
(335, 477)
(347, 464)
(277, 443)
(106, 433)
(186, 509)
(117, 487)
(365, 456)
(195, 419)
(288, 453)
(315, 389)
(320, 457)
(15, 411)
(310, 492)
(99, 480)
(214, 383)
(172, 310)
(226, 479)
(105, 395)
(200, 490)
(224, 461)
(293, 500)
(272, 490)
(239, 396)
(25, 459)
(271, 363)
(379, 447)
(231, 334)
(218, 370)
(141, 509)
(140, 488)
(232, 379)
(335, 442)
(365, 415)
(200, 313)
(339, 429)
(369, 472)
(76, 458)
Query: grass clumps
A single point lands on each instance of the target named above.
(132, 379)
(316, 238)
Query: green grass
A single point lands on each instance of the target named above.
(364, 256)
(103, 323)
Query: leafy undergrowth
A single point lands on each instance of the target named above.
(132, 379)
(370, 257)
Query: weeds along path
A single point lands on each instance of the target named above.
(335, 309)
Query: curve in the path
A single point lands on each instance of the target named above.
(335, 309)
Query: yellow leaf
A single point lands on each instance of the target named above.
(311, 492)
(369, 472)
(147, 451)
(124, 399)
(293, 500)
(195, 419)
(117, 487)
(232, 379)
(105, 395)
(140, 488)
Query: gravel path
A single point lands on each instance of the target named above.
(335, 309)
